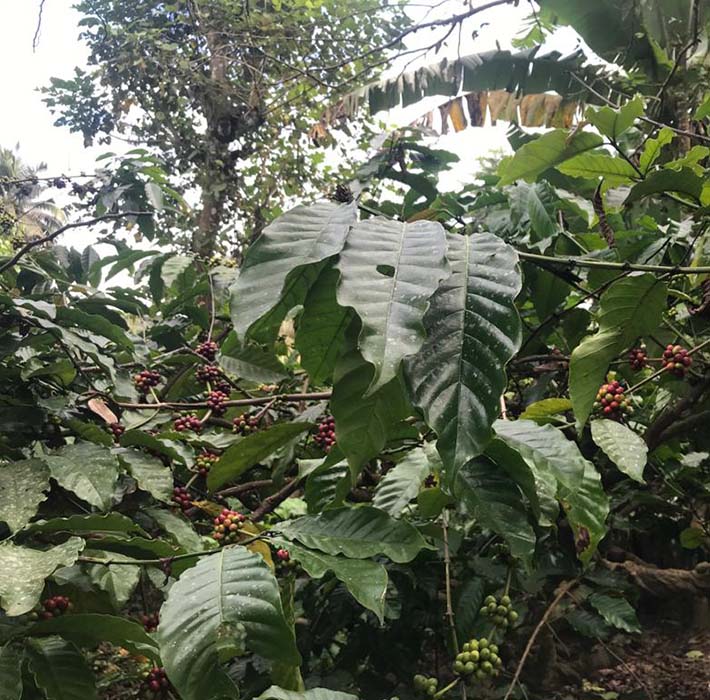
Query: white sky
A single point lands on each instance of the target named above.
(24, 119)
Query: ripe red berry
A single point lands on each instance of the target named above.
(208, 373)
(182, 498)
(157, 683)
(150, 621)
(612, 402)
(146, 379)
(638, 358)
(216, 402)
(53, 607)
(117, 429)
(189, 421)
(676, 360)
(325, 437)
(282, 554)
(208, 350)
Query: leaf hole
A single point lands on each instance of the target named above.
(386, 270)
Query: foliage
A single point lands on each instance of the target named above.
(373, 447)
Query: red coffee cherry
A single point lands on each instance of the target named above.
(638, 358)
(208, 373)
(189, 421)
(612, 402)
(226, 526)
(208, 350)
(117, 429)
(150, 621)
(156, 684)
(325, 437)
(145, 379)
(216, 402)
(245, 424)
(204, 462)
(676, 360)
(182, 498)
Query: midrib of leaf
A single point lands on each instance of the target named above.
(464, 289)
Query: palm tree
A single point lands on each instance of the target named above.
(23, 214)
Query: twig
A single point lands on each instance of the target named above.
(269, 504)
(447, 577)
(51, 236)
(35, 38)
(256, 401)
(561, 592)
(244, 488)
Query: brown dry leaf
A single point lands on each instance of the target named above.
(99, 407)
(457, 114)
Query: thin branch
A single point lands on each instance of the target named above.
(561, 592)
(256, 401)
(35, 38)
(62, 229)
(269, 504)
(447, 581)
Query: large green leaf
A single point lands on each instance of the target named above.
(251, 362)
(653, 147)
(622, 446)
(280, 257)
(276, 693)
(150, 473)
(199, 617)
(401, 484)
(587, 508)
(616, 611)
(60, 670)
(10, 673)
(358, 533)
(614, 170)
(89, 470)
(22, 488)
(683, 181)
(630, 308)
(118, 580)
(612, 123)
(321, 328)
(168, 448)
(541, 410)
(473, 329)
(180, 530)
(388, 272)
(545, 152)
(91, 629)
(94, 523)
(495, 500)
(468, 603)
(364, 423)
(329, 483)
(23, 571)
(243, 455)
(366, 580)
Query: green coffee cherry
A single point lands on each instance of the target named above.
(500, 612)
(477, 660)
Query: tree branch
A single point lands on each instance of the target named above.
(62, 229)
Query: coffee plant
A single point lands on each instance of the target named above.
(414, 439)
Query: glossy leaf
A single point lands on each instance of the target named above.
(401, 484)
(276, 693)
(630, 308)
(613, 169)
(150, 473)
(23, 486)
(616, 611)
(91, 629)
(388, 272)
(60, 670)
(281, 256)
(653, 147)
(243, 455)
(358, 533)
(612, 123)
(363, 423)
(545, 152)
(10, 673)
(23, 571)
(328, 484)
(93, 523)
(473, 330)
(683, 181)
(321, 328)
(496, 502)
(622, 446)
(88, 470)
(468, 603)
(366, 580)
(230, 587)
(543, 409)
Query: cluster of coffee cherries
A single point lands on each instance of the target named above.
(182, 498)
(145, 379)
(216, 401)
(51, 607)
(226, 526)
(204, 462)
(325, 437)
(208, 349)
(612, 402)
(477, 660)
(117, 429)
(425, 685)
(208, 373)
(500, 611)
(188, 421)
(676, 360)
(150, 621)
(284, 561)
(638, 358)
(156, 683)
(245, 424)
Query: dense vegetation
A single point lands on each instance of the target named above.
(404, 442)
